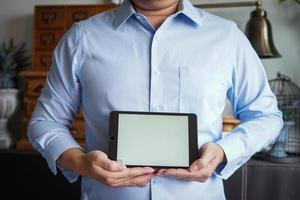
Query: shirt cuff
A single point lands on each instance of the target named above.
(234, 149)
(54, 149)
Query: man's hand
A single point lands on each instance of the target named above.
(211, 155)
(97, 166)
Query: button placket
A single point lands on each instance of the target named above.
(156, 181)
(154, 108)
(156, 72)
(157, 188)
(155, 93)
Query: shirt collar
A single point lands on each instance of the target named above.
(126, 10)
(186, 8)
(123, 13)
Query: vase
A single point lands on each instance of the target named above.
(8, 106)
(278, 149)
(8, 81)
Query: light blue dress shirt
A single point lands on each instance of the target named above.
(117, 61)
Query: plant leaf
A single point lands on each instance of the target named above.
(13, 57)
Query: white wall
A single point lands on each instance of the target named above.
(16, 22)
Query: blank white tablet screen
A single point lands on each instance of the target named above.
(153, 140)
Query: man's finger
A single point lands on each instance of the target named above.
(208, 153)
(198, 165)
(133, 172)
(128, 172)
(178, 173)
(109, 165)
(142, 181)
(199, 175)
(160, 172)
(213, 164)
(139, 181)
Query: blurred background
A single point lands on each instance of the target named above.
(273, 173)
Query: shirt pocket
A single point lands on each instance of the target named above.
(202, 90)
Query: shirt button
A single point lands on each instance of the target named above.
(156, 72)
(156, 181)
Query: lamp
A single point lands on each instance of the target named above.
(258, 28)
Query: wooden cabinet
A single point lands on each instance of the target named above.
(47, 39)
(75, 13)
(77, 129)
(50, 23)
(50, 17)
(42, 61)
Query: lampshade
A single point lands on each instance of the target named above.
(259, 33)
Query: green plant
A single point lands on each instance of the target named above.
(297, 1)
(289, 114)
(13, 58)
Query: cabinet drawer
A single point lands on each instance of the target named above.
(43, 60)
(34, 87)
(77, 129)
(78, 13)
(50, 17)
(47, 40)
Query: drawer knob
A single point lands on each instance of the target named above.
(49, 17)
(78, 16)
(47, 39)
(45, 61)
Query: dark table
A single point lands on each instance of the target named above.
(264, 180)
(25, 175)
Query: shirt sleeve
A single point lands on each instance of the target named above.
(59, 101)
(254, 104)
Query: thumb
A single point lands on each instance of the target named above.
(104, 162)
(207, 153)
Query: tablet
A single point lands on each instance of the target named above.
(155, 139)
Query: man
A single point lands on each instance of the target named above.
(154, 55)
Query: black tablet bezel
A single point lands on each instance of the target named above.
(193, 135)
